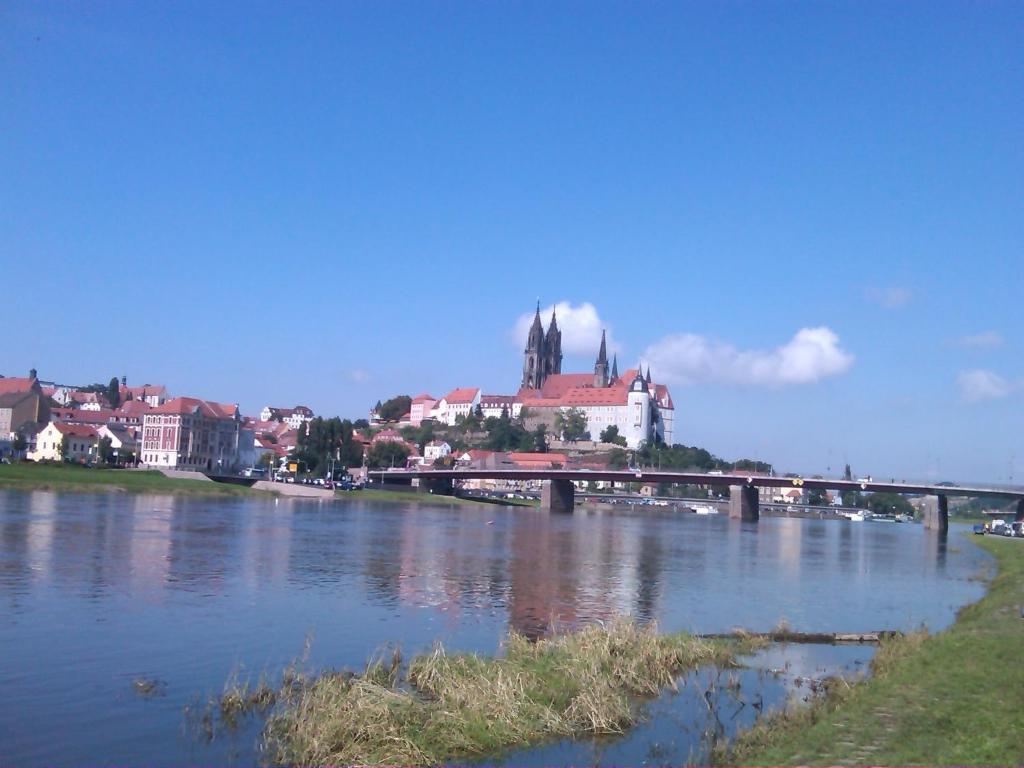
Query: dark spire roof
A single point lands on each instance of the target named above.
(536, 317)
(648, 379)
(602, 355)
(615, 367)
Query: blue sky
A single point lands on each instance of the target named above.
(333, 203)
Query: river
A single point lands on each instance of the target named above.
(99, 590)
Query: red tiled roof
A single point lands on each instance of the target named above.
(461, 395)
(75, 430)
(74, 416)
(497, 399)
(423, 397)
(209, 409)
(596, 396)
(87, 397)
(143, 390)
(661, 394)
(133, 408)
(558, 384)
(15, 384)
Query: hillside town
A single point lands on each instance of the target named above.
(553, 419)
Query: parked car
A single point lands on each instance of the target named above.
(979, 529)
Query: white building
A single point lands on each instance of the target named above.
(293, 417)
(494, 405)
(641, 410)
(459, 402)
(434, 450)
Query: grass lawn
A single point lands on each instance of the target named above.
(28, 476)
(955, 697)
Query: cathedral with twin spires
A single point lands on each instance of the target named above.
(639, 408)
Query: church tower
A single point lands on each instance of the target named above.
(552, 349)
(601, 366)
(534, 358)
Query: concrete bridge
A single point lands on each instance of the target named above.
(558, 492)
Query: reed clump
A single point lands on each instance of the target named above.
(459, 705)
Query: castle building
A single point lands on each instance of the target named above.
(641, 409)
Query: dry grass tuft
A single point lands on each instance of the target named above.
(460, 705)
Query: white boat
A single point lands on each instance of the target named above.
(855, 517)
(705, 510)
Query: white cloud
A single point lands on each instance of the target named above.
(812, 354)
(980, 384)
(983, 340)
(580, 326)
(358, 375)
(889, 297)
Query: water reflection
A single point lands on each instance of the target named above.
(98, 587)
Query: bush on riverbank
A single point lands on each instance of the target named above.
(459, 705)
(953, 697)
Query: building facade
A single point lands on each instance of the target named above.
(58, 441)
(460, 402)
(189, 433)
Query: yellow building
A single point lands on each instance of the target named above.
(81, 442)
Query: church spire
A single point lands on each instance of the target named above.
(615, 367)
(648, 379)
(601, 366)
(534, 356)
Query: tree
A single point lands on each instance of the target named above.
(19, 444)
(618, 459)
(387, 453)
(751, 465)
(322, 442)
(851, 498)
(571, 425)
(610, 434)
(361, 424)
(504, 435)
(105, 450)
(888, 504)
(114, 392)
(395, 408)
(816, 497)
(540, 438)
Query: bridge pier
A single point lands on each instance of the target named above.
(557, 496)
(1019, 517)
(936, 513)
(744, 503)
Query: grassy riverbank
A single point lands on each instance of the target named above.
(442, 707)
(28, 476)
(953, 697)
